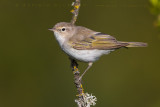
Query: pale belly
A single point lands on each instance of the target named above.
(85, 55)
(81, 55)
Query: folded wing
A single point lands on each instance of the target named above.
(97, 41)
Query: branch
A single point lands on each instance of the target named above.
(75, 11)
(76, 73)
(84, 99)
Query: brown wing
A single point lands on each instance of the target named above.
(97, 41)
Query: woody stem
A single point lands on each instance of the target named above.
(76, 73)
(75, 11)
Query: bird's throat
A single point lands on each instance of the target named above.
(59, 38)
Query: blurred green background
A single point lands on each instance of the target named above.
(34, 72)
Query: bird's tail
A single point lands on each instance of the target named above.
(135, 44)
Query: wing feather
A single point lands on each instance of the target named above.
(97, 41)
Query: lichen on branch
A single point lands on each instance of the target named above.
(75, 11)
(84, 99)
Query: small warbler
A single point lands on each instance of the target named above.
(86, 45)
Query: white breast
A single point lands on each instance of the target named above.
(85, 55)
(81, 55)
(59, 38)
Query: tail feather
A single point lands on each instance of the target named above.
(136, 44)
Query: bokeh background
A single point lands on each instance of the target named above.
(34, 72)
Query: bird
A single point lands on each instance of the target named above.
(86, 45)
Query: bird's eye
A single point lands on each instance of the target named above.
(63, 29)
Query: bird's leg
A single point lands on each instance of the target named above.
(89, 66)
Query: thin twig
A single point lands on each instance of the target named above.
(75, 11)
(76, 73)
(84, 99)
(74, 64)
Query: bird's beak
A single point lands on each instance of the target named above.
(52, 29)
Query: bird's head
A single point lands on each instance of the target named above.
(63, 29)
